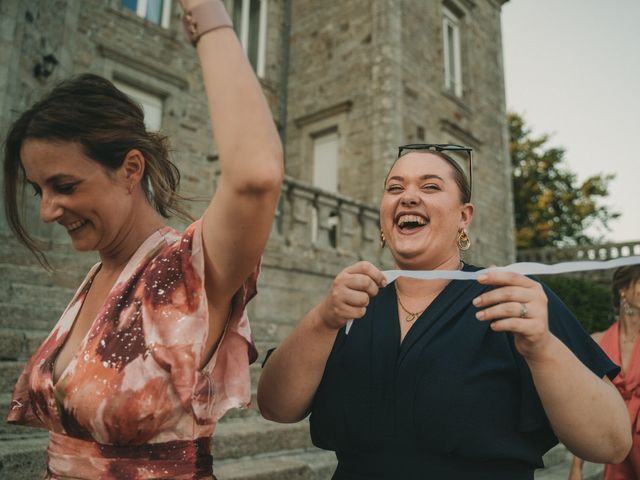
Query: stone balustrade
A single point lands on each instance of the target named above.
(314, 221)
(601, 252)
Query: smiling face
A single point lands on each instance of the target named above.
(77, 192)
(421, 213)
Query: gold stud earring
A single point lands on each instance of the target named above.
(464, 242)
(383, 240)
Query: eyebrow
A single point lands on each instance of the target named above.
(54, 178)
(428, 176)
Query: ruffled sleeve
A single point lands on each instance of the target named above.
(176, 323)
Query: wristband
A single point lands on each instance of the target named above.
(203, 18)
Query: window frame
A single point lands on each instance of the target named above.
(452, 21)
(141, 11)
(243, 32)
(143, 97)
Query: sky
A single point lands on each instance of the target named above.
(572, 69)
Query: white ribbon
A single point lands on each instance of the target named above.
(523, 268)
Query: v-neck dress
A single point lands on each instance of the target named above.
(133, 402)
(628, 384)
(454, 400)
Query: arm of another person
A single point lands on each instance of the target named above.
(569, 391)
(237, 222)
(577, 463)
(293, 372)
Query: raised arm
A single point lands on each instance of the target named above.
(293, 372)
(572, 396)
(237, 222)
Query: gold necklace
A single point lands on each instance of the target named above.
(411, 316)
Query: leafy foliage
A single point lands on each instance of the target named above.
(551, 209)
(589, 301)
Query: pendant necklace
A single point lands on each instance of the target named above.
(411, 316)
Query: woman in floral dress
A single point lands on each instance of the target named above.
(155, 345)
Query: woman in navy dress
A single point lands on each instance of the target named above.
(442, 379)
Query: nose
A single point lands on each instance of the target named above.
(50, 209)
(409, 197)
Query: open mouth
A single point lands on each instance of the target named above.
(409, 223)
(72, 227)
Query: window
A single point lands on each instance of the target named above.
(156, 11)
(325, 176)
(452, 63)
(151, 105)
(250, 23)
(325, 161)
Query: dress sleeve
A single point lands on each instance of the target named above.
(564, 325)
(176, 322)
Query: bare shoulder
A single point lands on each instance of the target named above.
(597, 336)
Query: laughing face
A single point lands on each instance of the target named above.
(421, 212)
(77, 192)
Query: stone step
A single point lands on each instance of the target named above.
(69, 277)
(9, 373)
(23, 458)
(253, 436)
(19, 344)
(59, 255)
(555, 456)
(269, 332)
(26, 294)
(312, 464)
(29, 316)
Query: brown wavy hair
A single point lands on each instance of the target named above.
(92, 112)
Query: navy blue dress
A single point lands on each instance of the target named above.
(455, 400)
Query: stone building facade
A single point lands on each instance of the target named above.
(347, 82)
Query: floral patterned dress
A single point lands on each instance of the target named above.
(133, 402)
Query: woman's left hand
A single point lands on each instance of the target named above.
(518, 305)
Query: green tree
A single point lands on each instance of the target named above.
(551, 208)
(589, 301)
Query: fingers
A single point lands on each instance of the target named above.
(505, 278)
(368, 269)
(504, 294)
(531, 293)
(350, 293)
(505, 310)
(361, 283)
(532, 331)
(518, 305)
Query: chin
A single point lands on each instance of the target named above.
(82, 247)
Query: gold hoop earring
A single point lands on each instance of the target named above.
(464, 242)
(383, 240)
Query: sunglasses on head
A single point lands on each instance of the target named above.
(445, 148)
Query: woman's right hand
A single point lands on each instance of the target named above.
(350, 294)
